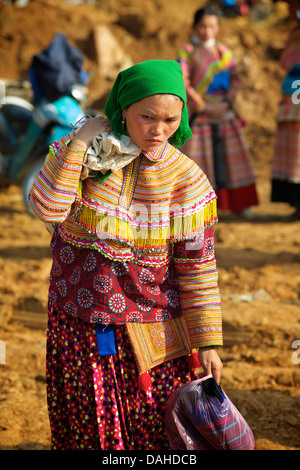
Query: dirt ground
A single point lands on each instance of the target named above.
(258, 260)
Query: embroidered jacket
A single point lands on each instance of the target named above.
(123, 249)
(207, 74)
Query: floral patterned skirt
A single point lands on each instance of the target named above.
(93, 401)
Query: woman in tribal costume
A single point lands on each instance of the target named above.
(218, 145)
(133, 299)
(286, 160)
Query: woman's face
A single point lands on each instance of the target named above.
(153, 120)
(207, 28)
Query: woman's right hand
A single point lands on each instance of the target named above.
(215, 111)
(210, 362)
(90, 129)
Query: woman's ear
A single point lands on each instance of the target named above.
(124, 112)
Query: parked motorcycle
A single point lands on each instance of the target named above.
(26, 133)
(26, 130)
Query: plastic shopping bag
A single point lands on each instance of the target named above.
(200, 416)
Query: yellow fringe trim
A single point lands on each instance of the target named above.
(79, 190)
(112, 227)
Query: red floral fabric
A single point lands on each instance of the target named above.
(85, 284)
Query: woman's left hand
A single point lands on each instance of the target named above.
(210, 362)
(92, 128)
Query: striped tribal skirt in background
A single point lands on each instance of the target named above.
(221, 151)
(93, 401)
(286, 164)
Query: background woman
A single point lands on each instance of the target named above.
(218, 146)
(131, 293)
(286, 160)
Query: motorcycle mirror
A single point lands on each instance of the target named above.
(79, 92)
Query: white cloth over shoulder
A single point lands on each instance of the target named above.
(108, 152)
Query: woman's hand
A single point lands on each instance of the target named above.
(88, 131)
(215, 111)
(210, 362)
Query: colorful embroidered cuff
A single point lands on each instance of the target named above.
(66, 154)
(203, 334)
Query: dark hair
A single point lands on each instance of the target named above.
(203, 12)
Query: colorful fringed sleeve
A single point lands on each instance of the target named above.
(198, 278)
(185, 59)
(199, 69)
(235, 79)
(56, 186)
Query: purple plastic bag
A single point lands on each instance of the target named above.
(200, 416)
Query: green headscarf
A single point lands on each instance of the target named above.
(145, 79)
